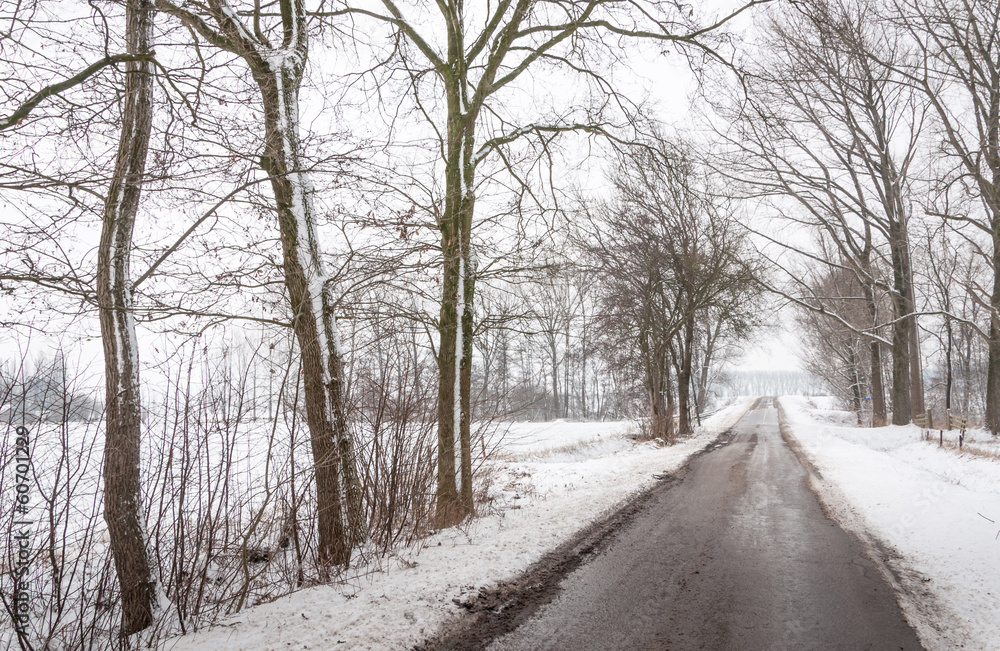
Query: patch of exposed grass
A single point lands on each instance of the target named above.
(973, 448)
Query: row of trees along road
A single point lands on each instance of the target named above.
(670, 257)
(174, 135)
(871, 126)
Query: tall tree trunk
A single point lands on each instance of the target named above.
(900, 356)
(710, 339)
(906, 341)
(554, 356)
(684, 378)
(340, 517)
(902, 331)
(277, 72)
(661, 426)
(879, 416)
(667, 391)
(916, 367)
(456, 321)
(993, 363)
(966, 366)
(949, 375)
(583, 362)
(465, 368)
(415, 351)
(900, 374)
(447, 509)
(855, 383)
(992, 198)
(503, 369)
(655, 365)
(123, 426)
(993, 378)
(567, 390)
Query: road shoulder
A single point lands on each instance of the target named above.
(919, 527)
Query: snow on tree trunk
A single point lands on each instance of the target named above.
(277, 72)
(465, 378)
(339, 508)
(123, 426)
(459, 342)
(456, 328)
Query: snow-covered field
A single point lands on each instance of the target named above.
(933, 513)
(550, 480)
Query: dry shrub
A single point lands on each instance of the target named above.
(228, 495)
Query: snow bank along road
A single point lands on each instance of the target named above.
(737, 555)
(931, 513)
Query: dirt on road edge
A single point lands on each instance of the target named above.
(499, 609)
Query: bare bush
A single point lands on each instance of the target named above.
(229, 493)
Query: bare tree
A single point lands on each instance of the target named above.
(831, 125)
(722, 329)
(836, 351)
(553, 305)
(277, 70)
(952, 267)
(959, 76)
(50, 98)
(123, 420)
(667, 249)
(458, 82)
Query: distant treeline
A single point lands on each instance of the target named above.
(759, 382)
(42, 390)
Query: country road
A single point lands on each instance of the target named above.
(736, 555)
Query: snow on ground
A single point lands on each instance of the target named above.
(552, 479)
(564, 441)
(930, 509)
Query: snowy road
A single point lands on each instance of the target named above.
(737, 555)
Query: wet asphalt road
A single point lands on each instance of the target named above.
(738, 555)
